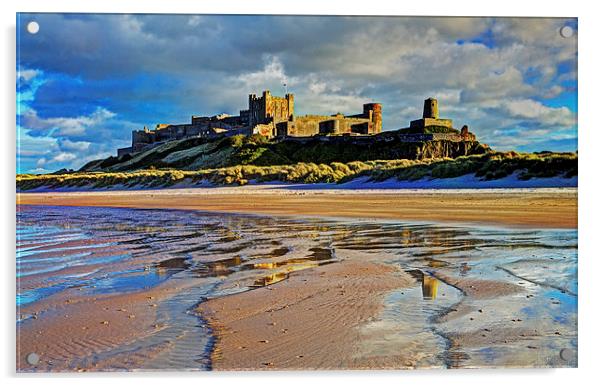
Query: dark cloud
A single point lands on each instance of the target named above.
(493, 74)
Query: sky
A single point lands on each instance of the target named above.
(85, 81)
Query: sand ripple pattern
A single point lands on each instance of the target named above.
(117, 289)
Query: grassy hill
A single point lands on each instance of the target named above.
(199, 153)
(240, 159)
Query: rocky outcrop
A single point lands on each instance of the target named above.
(449, 149)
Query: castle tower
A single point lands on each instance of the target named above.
(290, 98)
(271, 110)
(373, 111)
(430, 116)
(268, 108)
(430, 109)
(255, 109)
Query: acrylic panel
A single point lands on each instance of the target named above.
(261, 192)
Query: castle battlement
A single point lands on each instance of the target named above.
(274, 116)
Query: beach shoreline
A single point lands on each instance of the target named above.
(535, 208)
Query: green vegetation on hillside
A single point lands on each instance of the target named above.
(488, 166)
(198, 153)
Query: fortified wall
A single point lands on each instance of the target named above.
(273, 116)
(202, 127)
(267, 115)
(368, 122)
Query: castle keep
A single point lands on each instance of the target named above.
(273, 116)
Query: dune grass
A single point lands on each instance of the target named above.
(488, 166)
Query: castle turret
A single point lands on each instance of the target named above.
(431, 110)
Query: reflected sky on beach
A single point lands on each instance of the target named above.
(76, 251)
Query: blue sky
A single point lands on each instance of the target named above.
(84, 82)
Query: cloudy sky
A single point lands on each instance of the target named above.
(84, 82)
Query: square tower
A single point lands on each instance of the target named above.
(431, 110)
(270, 109)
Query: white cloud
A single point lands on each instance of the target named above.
(64, 157)
(534, 110)
(271, 73)
(27, 74)
(47, 144)
(67, 144)
(65, 126)
(39, 171)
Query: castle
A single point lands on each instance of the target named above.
(430, 116)
(274, 117)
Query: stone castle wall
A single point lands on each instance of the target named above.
(368, 122)
(386, 136)
(323, 124)
(425, 122)
(273, 116)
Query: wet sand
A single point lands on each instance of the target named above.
(541, 208)
(310, 321)
(329, 316)
(73, 328)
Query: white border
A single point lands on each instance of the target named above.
(590, 152)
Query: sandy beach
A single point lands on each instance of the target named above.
(68, 330)
(545, 208)
(284, 306)
(315, 320)
(310, 321)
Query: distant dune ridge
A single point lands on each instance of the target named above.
(242, 160)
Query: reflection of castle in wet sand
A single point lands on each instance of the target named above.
(430, 284)
(270, 279)
(429, 287)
